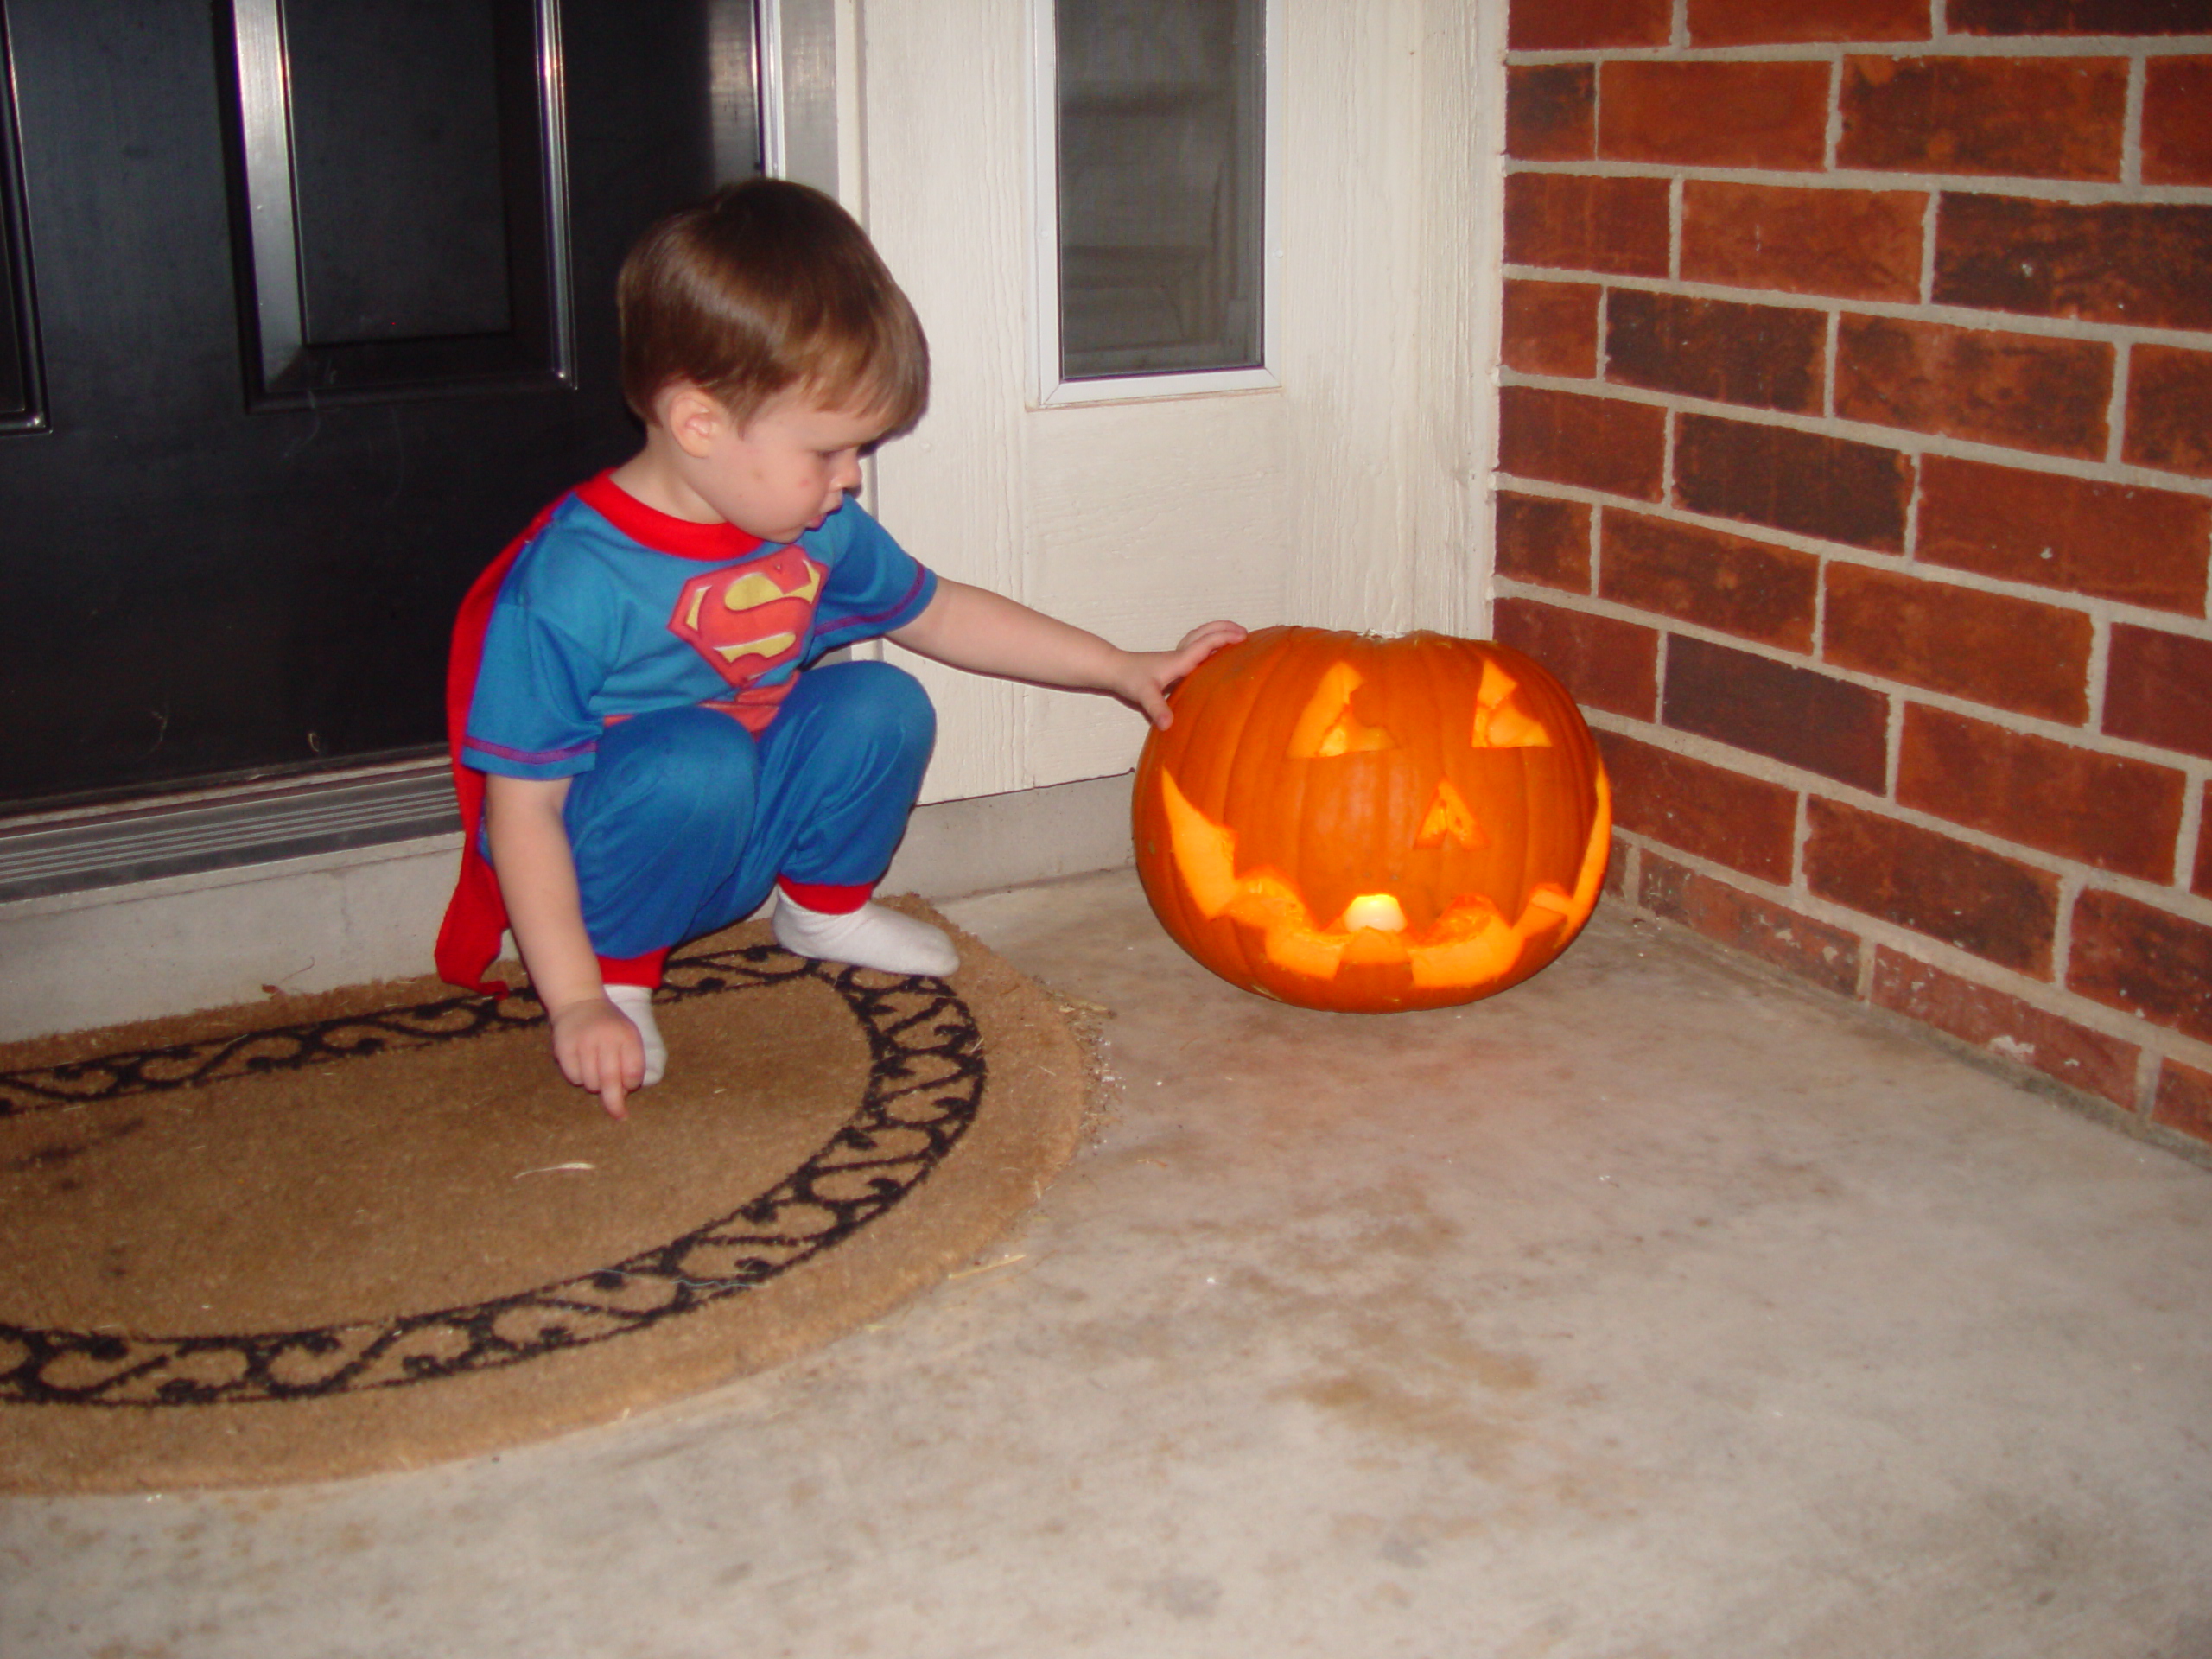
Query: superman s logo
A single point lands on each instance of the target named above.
(747, 619)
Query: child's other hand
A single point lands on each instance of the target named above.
(597, 1048)
(1158, 671)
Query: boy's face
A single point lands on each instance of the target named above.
(785, 470)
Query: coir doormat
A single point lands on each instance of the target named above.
(373, 1230)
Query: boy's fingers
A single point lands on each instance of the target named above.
(1149, 692)
(608, 1075)
(621, 1071)
(607, 1079)
(1212, 636)
(1203, 642)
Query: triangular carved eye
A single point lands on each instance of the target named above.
(1450, 818)
(1329, 728)
(1499, 722)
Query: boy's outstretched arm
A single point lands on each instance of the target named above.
(593, 1042)
(987, 633)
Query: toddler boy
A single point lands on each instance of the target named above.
(642, 749)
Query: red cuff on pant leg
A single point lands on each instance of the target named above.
(825, 897)
(644, 971)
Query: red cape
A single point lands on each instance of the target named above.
(476, 916)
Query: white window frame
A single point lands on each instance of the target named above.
(1048, 389)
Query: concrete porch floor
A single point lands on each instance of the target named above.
(1656, 1308)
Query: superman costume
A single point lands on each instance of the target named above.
(657, 664)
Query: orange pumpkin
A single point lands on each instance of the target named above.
(1347, 822)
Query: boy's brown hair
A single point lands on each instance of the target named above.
(765, 286)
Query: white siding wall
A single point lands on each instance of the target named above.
(1350, 497)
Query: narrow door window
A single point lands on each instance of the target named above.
(1157, 197)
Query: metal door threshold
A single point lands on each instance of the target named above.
(196, 836)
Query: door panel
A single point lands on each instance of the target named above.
(1342, 498)
(407, 240)
(399, 200)
(224, 559)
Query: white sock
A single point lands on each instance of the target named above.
(636, 1002)
(871, 937)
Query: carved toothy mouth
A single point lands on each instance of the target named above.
(1470, 944)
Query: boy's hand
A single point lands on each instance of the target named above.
(597, 1048)
(1157, 673)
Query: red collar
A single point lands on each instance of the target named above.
(715, 543)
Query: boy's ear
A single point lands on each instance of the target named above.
(692, 418)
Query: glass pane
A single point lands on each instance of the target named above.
(1160, 123)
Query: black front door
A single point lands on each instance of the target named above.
(306, 306)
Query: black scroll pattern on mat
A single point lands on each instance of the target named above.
(327, 1042)
(925, 1087)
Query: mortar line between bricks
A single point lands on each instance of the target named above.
(2103, 615)
(1597, 113)
(1800, 900)
(1870, 959)
(1958, 316)
(2131, 131)
(2084, 737)
(2099, 670)
(1833, 149)
(1894, 769)
(1834, 362)
(2120, 610)
(2047, 996)
(1819, 651)
(1939, 22)
(1677, 192)
(2148, 1066)
(1920, 951)
(1930, 230)
(2079, 192)
(1955, 45)
(2071, 886)
(2050, 997)
(1597, 554)
(1745, 763)
(1604, 325)
(2116, 411)
(1632, 875)
(1911, 554)
(2192, 824)
(1904, 439)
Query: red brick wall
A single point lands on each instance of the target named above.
(1856, 473)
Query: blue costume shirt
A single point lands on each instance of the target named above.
(614, 608)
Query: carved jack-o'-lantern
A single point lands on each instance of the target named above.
(1359, 823)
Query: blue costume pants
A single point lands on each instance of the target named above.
(687, 818)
